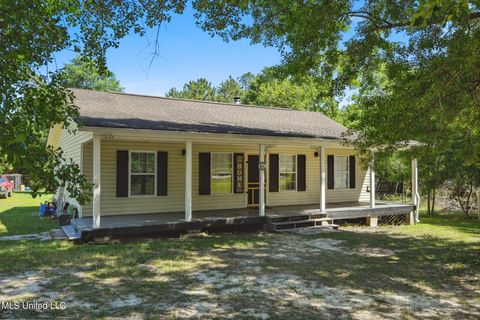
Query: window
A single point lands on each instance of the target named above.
(341, 172)
(142, 173)
(222, 173)
(288, 172)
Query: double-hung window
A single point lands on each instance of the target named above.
(341, 172)
(142, 173)
(222, 172)
(288, 172)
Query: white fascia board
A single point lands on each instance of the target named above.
(146, 135)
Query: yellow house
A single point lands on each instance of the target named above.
(174, 160)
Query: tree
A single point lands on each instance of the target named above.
(268, 88)
(32, 97)
(246, 79)
(200, 89)
(228, 90)
(83, 73)
(272, 88)
(5, 167)
(413, 64)
(462, 187)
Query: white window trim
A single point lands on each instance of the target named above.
(296, 172)
(211, 171)
(335, 172)
(130, 175)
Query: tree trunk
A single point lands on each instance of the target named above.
(469, 197)
(434, 193)
(459, 199)
(429, 202)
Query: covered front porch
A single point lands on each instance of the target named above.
(170, 223)
(187, 158)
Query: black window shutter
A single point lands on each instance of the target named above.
(352, 171)
(330, 172)
(122, 173)
(273, 174)
(162, 173)
(204, 173)
(301, 174)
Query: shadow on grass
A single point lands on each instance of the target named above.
(24, 220)
(418, 266)
(263, 271)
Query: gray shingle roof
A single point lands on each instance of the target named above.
(120, 110)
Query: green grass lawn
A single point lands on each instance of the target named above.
(19, 215)
(430, 270)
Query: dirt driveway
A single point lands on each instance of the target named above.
(351, 275)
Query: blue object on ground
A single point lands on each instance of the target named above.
(42, 210)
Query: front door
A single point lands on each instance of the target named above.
(253, 181)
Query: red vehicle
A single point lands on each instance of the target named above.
(6, 187)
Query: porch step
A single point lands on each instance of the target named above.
(297, 217)
(300, 222)
(307, 229)
(71, 232)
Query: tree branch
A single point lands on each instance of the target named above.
(386, 25)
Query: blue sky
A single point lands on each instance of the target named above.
(186, 53)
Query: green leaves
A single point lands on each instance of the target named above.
(84, 73)
(413, 67)
(200, 89)
(32, 100)
(268, 88)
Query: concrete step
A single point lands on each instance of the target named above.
(296, 217)
(317, 227)
(300, 221)
(304, 222)
(293, 225)
(71, 232)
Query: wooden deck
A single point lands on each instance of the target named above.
(173, 223)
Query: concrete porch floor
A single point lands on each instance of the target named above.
(344, 210)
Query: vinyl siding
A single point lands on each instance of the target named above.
(361, 176)
(174, 201)
(111, 205)
(216, 201)
(71, 145)
(87, 170)
(312, 175)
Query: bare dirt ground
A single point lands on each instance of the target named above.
(335, 275)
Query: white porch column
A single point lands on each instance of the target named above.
(188, 181)
(323, 206)
(372, 184)
(96, 181)
(415, 193)
(261, 171)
